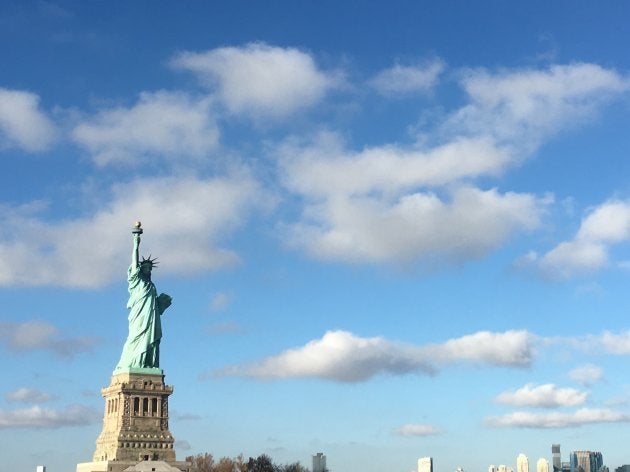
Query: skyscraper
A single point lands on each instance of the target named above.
(586, 461)
(557, 459)
(542, 465)
(522, 463)
(425, 464)
(319, 462)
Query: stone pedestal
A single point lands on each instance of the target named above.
(134, 466)
(135, 423)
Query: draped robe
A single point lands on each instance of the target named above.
(142, 348)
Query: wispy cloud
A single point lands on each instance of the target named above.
(580, 417)
(324, 167)
(384, 204)
(603, 227)
(185, 416)
(406, 79)
(587, 374)
(417, 430)
(182, 445)
(190, 216)
(22, 123)
(40, 335)
(344, 357)
(166, 125)
(28, 395)
(547, 395)
(220, 301)
(259, 80)
(524, 107)
(607, 342)
(615, 343)
(225, 328)
(42, 418)
(350, 195)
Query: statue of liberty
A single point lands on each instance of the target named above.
(142, 348)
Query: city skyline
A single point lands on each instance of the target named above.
(390, 231)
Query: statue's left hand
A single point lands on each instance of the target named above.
(165, 301)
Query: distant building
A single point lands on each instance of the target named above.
(492, 468)
(41, 468)
(522, 463)
(425, 464)
(542, 465)
(459, 469)
(556, 458)
(623, 468)
(319, 462)
(586, 461)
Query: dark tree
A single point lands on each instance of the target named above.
(262, 463)
(205, 463)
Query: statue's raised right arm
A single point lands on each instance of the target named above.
(135, 255)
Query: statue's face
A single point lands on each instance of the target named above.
(146, 269)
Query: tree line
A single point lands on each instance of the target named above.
(205, 462)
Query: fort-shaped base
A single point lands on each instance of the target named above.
(135, 422)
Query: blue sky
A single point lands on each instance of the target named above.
(389, 230)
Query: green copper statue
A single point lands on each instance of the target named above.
(142, 348)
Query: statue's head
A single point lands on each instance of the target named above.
(147, 264)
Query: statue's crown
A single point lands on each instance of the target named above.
(148, 260)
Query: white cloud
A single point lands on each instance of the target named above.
(417, 430)
(580, 417)
(339, 356)
(43, 418)
(220, 301)
(616, 343)
(344, 357)
(402, 205)
(608, 223)
(587, 374)
(607, 342)
(40, 335)
(415, 228)
(259, 79)
(326, 169)
(28, 395)
(401, 80)
(547, 395)
(588, 251)
(508, 349)
(169, 125)
(22, 123)
(523, 107)
(184, 220)
(416, 204)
